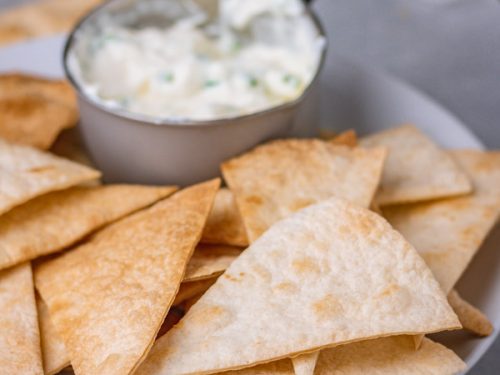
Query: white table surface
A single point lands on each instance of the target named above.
(449, 49)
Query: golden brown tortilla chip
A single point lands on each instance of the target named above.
(210, 260)
(416, 168)
(21, 84)
(389, 356)
(447, 233)
(109, 297)
(34, 120)
(27, 173)
(384, 356)
(472, 319)
(190, 289)
(34, 110)
(55, 357)
(281, 177)
(224, 224)
(19, 337)
(328, 275)
(346, 138)
(54, 221)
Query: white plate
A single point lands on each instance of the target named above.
(355, 96)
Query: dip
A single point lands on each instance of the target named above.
(253, 56)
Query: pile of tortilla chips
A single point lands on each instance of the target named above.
(318, 257)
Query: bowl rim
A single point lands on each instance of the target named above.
(176, 122)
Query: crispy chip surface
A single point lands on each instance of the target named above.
(210, 260)
(416, 168)
(53, 221)
(270, 303)
(389, 356)
(54, 354)
(27, 173)
(472, 319)
(447, 233)
(109, 297)
(224, 224)
(19, 337)
(281, 177)
(34, 110)
(385, 356)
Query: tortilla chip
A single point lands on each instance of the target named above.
(27, 173)
(191, 289)
(472, 319)
(416, 168)
(54, 221)
(34, 110)
(19, 337)
(224, 224)
(210, 260)
(55, 357)
(304, 364)
(330, 274)
(282, 367)
(389, 356)
(346, 138)
(34, 120)
(281, 177)
(21, 84)
(109, 297)
(447, 233)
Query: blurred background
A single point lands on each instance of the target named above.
(449, 49)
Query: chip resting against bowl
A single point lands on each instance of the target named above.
(330, 274)
(54, 221)
(27, 173)
(281, 177)
(416, 168)
(448, 233)
(34, 110)
(108, 297)
(19, 337)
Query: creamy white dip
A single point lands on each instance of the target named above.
(257, 54)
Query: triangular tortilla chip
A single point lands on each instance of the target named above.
(34, 110)
(389, 356)
(385, 356)
(34, 120)
(347, 138)
(447, 233)
(190, 289)
(472, 319)
(224, 224)
(109, 297)
(19, 337)
(416, 168)
(281, 177)
(330, 274)
(305, 364)
(21, 84)
(210, 260)
(54, 354)
(27, 173)
(51, 222)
